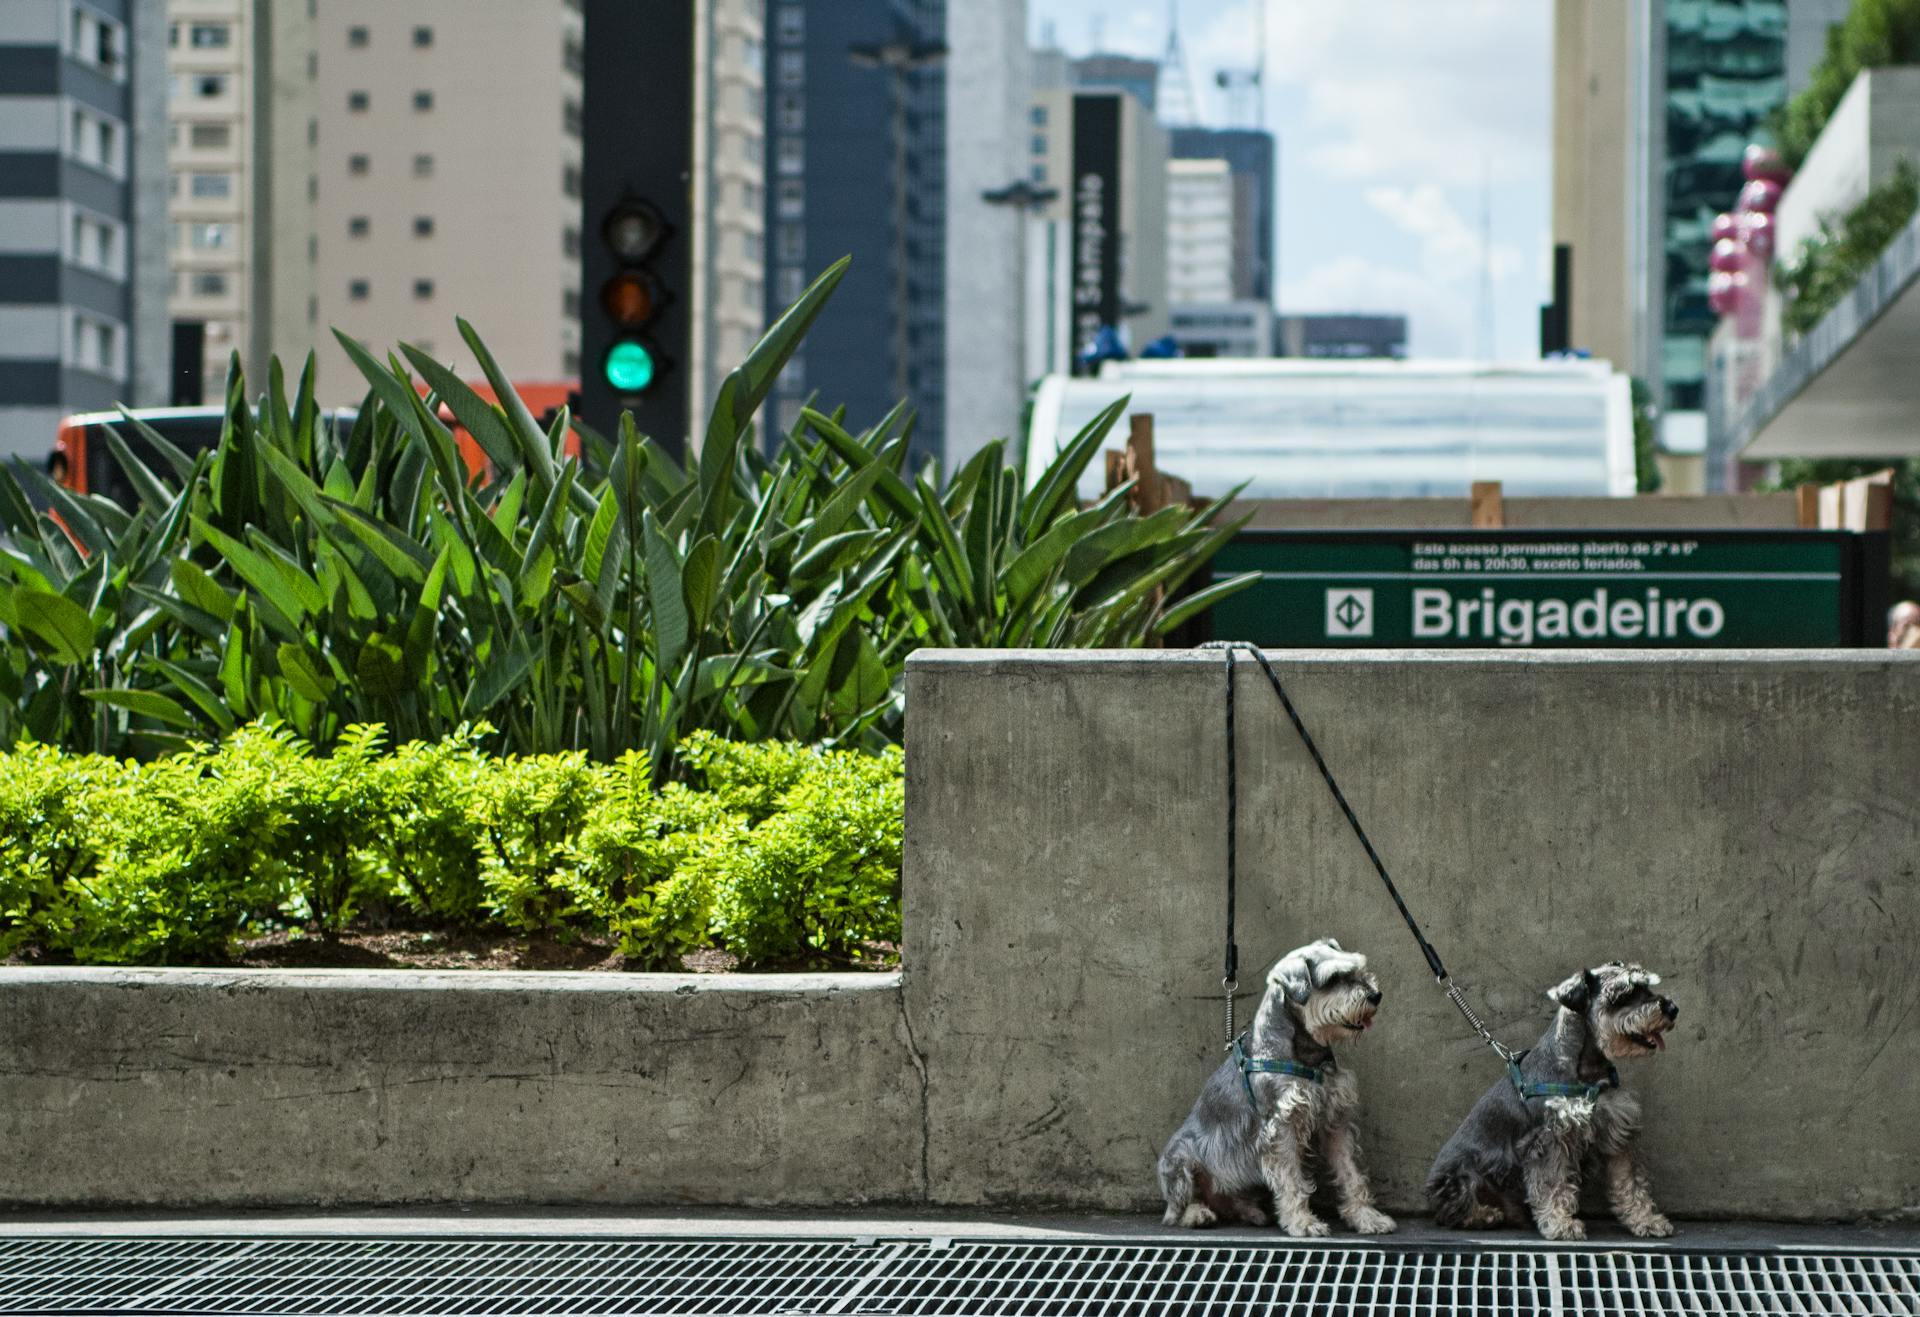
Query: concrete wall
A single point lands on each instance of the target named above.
(1744, 823)
(236, 1088)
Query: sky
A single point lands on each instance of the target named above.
(1400, 122)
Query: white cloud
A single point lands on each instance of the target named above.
(1436, 90)
(1450, 248)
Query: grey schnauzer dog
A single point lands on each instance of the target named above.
(1524, 1143)
(1254, 1124)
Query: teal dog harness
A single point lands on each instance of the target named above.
(1545, 1089)
(1249, 1066)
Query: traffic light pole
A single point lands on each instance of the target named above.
(636, 287)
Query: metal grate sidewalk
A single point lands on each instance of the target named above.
(1052, 1279)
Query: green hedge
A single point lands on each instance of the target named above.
(775, 852)
(1874, 34)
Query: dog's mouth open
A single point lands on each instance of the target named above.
(1653, 1040)
(1359, 1024)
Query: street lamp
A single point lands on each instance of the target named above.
(898, 57)
(1026, 200)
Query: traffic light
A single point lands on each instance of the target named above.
(637, 211)
(632, 297)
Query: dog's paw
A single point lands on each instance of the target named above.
(1652, 1226)
(1254, 1215)
(1198, 1216)
(1573, 1228)
(1305, 1227)
(1370, 1221)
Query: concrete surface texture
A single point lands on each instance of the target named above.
(1744, 823)
(196, 1087)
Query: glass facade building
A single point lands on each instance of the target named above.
(1725, 74)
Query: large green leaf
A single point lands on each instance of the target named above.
(665, 598)
(62, 628)
(1057, 482)
(148, 704)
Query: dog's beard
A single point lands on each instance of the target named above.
(1639, 1031)
(1337, 1014)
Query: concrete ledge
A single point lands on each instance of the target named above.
(195, 1088)
(1745, 823)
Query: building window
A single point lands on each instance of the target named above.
(313, 187)
(570, 118)
(313, 249)
(423, 226)
(573, 56)
(792, 110)
(423, 166)
(209, 283)
(209, 36)
(790, 156)
(96, 345)
(792, 24)
(97, 141)
(792, 283)
(793, 243)
(756, 104)
(210, 136)
(358, 101)
(750, 196)
(792, 199)
(313, 65)
(313, 132)
(570, 303)
(570, 242)
(210, 86)
(358, 38)
(754, 149)
(173, 36)
(423, 100)
(359, 290)
(359, 165)
(359, 226)
(1039, 144)
(792, 68)
(570, 362)
(98, 41)
(212, 187)
(96, 244)
(210, 237)
(422, 290)
(1038, 116)
(422, 37)
(1039, 173)
(313, 310)
(570, 181)
(753, 55)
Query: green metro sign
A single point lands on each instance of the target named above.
(1525, 589)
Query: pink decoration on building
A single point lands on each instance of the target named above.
(1725, 226)
(1763, 163)
(1762, 194)
(1757, 233)
(1724, 290)
(1728, 254)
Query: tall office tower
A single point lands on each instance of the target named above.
(83, 265)
(730, 254)
(447, 181)
(1199, 231)
(210, 154)
(1138, 78)
(856, 115)
(1249, 153)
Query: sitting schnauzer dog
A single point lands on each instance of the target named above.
(1254, 1123)
(1523, 1143)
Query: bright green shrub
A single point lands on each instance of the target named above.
(530, 812)
(429, 859)
(56, 818)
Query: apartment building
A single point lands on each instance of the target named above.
(82, 199)
(1199, 231)
(211, 181)
(730, 139)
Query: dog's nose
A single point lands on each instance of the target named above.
(1373, 998)
(1671, 1008)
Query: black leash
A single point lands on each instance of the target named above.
(1229, 980)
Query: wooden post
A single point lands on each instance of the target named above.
(1806, 500)
(1146, 497)
(1488, 514)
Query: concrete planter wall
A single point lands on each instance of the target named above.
(1748, 824)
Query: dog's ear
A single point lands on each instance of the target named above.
(1576, 994)
(1293, 975)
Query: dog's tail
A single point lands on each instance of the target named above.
(1451, 1196)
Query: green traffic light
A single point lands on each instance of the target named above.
(629, 366)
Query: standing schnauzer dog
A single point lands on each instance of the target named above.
(1523, 1144)
(1254, 1123)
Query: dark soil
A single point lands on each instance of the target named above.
(479, 949)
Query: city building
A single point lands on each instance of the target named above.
(856, 122)
(1223, 329)
(731, 159)
(1340, 335)
(1249, 153)
(1105, 232)
(210, 155)
(1138, 78)
(447, 182)
(992, 207)
(1653, 104)
(1200, 250)
(83, 196)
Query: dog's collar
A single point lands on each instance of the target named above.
(1546, 1089)
(1270, 1065)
